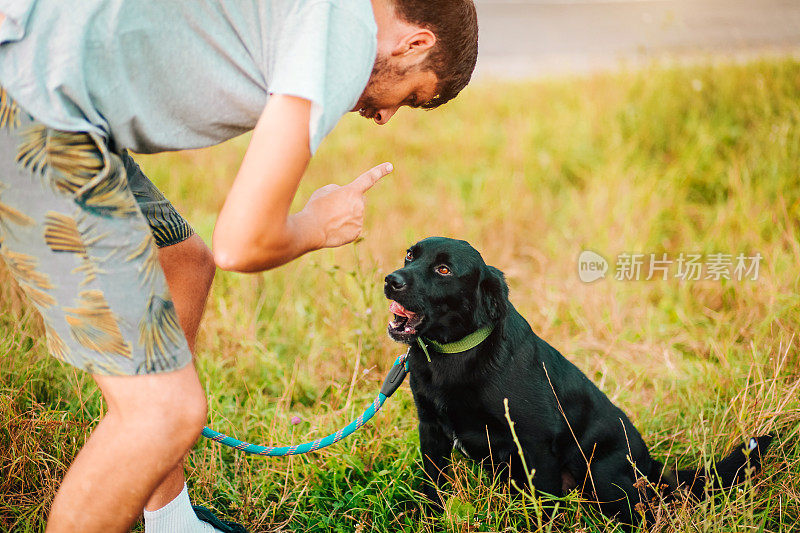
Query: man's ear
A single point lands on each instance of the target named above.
(417, 41)
(493, 294)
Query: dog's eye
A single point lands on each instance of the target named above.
(409, 256)
(444, 270)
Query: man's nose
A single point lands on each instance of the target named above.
(383, 115)
(396, 282)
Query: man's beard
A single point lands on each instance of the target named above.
(383, 74)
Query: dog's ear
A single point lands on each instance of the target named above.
(493, 295)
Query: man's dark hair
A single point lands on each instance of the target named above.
(453, 57)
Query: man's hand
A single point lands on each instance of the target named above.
(338, 211)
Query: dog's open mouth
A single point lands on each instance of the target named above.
(405, 322)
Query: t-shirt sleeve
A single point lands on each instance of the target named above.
(325, 55)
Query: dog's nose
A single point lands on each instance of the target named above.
(395, 282)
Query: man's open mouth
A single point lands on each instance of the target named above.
(405, 322)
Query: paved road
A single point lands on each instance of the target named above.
(531, 38)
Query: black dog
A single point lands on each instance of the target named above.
(470, 349)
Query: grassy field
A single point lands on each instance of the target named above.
(695, 159)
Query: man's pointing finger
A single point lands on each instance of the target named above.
(369, 178)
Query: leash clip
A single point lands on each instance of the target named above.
(395, 377)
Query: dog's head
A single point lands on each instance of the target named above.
(444, 292)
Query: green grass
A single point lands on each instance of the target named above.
(693, 159)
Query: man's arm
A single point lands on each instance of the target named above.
(254, 231)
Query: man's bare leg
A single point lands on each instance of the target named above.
(152, 421)
(170, 405)
(189, 269)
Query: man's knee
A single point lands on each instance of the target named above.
(189, 259)
(189, 269)
(184, 414)
(171, 404)
(204, 259)
(189, 414)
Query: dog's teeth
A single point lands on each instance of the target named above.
(408, 330)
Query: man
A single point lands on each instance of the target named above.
(84, 232)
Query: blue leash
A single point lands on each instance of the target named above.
(393, 380)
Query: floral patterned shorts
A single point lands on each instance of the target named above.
(80, 228)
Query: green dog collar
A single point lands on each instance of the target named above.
(467, 343)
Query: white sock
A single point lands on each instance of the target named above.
(176, 517)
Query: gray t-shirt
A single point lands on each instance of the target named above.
(156, 75)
